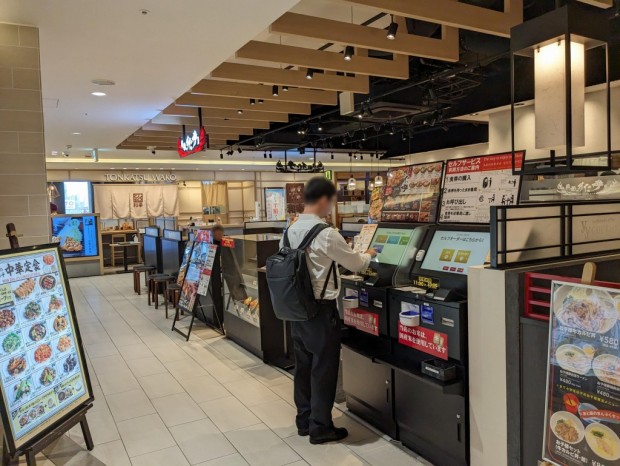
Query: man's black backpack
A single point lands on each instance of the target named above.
(290, 285)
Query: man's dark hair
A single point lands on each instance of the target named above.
(318, 188)
(217, 227)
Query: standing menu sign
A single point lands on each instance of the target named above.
(412, 193)
(200, 263)
(275, 204)
(43, 375)
(472, 185)
(582, 417)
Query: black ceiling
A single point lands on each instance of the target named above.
(402, 117)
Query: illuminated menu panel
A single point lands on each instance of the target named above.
(456, 251)
(77, 235)
(42, 371)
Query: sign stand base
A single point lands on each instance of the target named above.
(30, 452)
(197, 305)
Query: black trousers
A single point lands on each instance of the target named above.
(316, 344)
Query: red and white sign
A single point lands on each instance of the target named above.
(228, 242)
(362, 320)
(424, 339)
(474, 184)
(193, 142)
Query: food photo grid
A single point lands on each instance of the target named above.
(41, 373)
(583, 387)
(412, 193)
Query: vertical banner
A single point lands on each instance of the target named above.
(472, 185)
(275, 204)
(376, 205)
(582, 416)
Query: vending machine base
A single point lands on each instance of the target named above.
(369, 387)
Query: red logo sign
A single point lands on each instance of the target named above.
(228, 242)
(362, 320)
(189, 144)
(423, 339)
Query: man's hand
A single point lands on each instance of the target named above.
(372, 252)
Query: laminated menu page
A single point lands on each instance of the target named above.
(582, 414)
(43, 376)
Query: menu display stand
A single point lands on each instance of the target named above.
(45, 389)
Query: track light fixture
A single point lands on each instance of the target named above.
(310, 73)
(221, 154)
(239, 149)
(252, 101)
(274, 90)
(285, 88)
(270, 155)
(392, 130)
(332, 156)
(302, 150)
(392, 29)
(240, 112)
(349, 51)
(265, 155)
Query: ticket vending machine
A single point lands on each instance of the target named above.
(428, 328)
(364, 302)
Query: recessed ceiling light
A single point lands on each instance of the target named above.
(77, 134)
(54, 152)
(124, 168)
(112, 168)
(474, 114)
(103, 82)
(173, 169)
(149, 168)
(519, 104)
(98, 94)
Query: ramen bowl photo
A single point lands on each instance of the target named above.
(603, 441)
(573, 359)
(587, 309)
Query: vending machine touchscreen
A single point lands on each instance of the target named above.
(396, 247)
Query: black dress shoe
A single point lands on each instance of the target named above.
(303, 432)
(335, 435)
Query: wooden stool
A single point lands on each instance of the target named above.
(137, 270)
(172, 294)
(155, 282)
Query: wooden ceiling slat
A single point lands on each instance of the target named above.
(192, 112)
(209, 122)
(175, 134)
(258, 91)
(265, 74)
(453, 13)
(209, 130)
(195, 100)
(328, 30)
(397, 68)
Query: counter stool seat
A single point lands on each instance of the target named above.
(172, 293)
(157, 281)
(137, 270)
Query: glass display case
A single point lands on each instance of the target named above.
(242, 258)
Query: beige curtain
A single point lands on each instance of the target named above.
(137, 201)
(214, 193)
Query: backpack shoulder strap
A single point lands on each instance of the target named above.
(313, 233)
(285, 242)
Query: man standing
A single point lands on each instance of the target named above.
(316, 342)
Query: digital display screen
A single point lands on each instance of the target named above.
(391, 244)
(456, 251)
(42, 369)
(77, 235)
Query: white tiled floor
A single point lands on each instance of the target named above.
(160, 400)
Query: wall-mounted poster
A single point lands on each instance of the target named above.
(275, 204)
(77, 235)
(43, 375)
(411, 193)
(376, 205)
(472, 185)
(582, 416)
(294, 198)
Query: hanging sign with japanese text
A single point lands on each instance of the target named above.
(472, 185)
(193, 142)
(582, 415)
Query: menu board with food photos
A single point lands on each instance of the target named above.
(472, 185)
(294, 198)
(411, 193)
(43, 375)
(200, 263)
(376, 204)
(582, 415)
